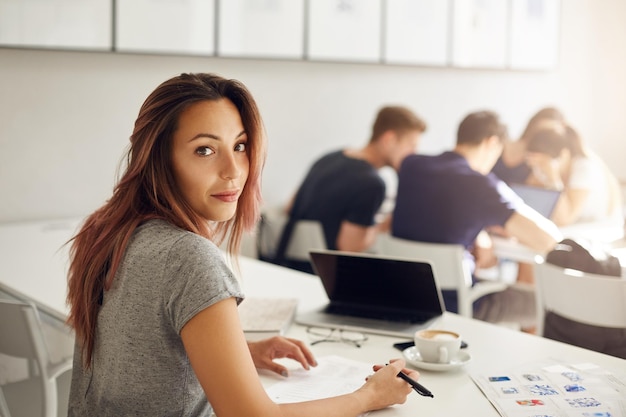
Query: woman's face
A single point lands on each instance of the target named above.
(209, 158)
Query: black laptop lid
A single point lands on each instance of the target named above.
(378, 283)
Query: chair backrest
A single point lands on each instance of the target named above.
(450, 266)
(21, 336)
(586, 298)
(269, 230)
(306, 235)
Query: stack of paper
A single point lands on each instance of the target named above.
(266, 317)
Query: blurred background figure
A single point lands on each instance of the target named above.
(454, 198)
(590, 192)
(344, 191)
(511, 167)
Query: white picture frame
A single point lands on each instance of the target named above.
(166, 26)
(535, 34)
(57, 24)
(261, 28)
(480, 34)
(344, 30)
(417, 32)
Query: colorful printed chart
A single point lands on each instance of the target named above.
(554, 389)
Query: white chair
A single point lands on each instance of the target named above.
(269, 229)
(21, 337)
(306, 235)
(591, 299)
(450, 266)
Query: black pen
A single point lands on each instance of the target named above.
(419, 388)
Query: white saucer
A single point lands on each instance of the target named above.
(413, 357)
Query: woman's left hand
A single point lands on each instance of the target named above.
(265, 351)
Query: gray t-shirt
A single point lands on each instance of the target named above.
(139, 366)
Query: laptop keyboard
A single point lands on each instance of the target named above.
(395, 316)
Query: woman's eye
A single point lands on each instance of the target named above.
(204, 151)
(240, 147)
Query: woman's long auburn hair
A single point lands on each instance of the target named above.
(147, 190)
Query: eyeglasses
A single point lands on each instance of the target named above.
(320, 335)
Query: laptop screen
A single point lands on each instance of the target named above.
(378, 283)
(542, 200)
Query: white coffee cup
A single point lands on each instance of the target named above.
(437, 346)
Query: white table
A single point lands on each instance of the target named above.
(605, 234)
(32, 268)
(511, 249)
(34, 261)
(600, 231)
(491, 347)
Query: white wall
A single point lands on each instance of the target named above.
(65, 116)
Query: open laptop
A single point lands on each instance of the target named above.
(375, 294)
(542, 200)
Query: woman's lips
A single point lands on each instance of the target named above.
(227, 196)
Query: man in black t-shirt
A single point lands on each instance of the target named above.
(344, 191)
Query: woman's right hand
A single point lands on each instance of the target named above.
(384, 388)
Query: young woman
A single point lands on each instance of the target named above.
(153, 303)
(511, 167)
(560, 161)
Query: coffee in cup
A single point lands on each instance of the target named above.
(437, 346)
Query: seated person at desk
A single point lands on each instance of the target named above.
(590, 192)
(453, 198)
(152, 301)
(511, 166)
(344, 190)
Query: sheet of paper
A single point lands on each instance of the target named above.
(555, 390)
(334, 375)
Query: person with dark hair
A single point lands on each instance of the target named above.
(511, 167)
(344, 191)
(590, 192)
(453, 198)
(152, 300)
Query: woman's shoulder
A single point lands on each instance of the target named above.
(586, 167)
(177, 242)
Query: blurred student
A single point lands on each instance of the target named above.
(152, 300)
(511, 166)
(590, 192)
(453, 198)
(344, 191)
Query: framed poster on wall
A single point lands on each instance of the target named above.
(480, 33)
(166, 26)
(344, 30)
(535, 31)
(59, 24)
(261, 28)
(417, 32)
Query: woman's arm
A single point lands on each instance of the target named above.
(546, 172)
(569, 206)
(220, 357)
(484, 254)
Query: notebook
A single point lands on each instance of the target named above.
(542, 200)
(374, 294)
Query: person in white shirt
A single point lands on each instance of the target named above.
(590, 192)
